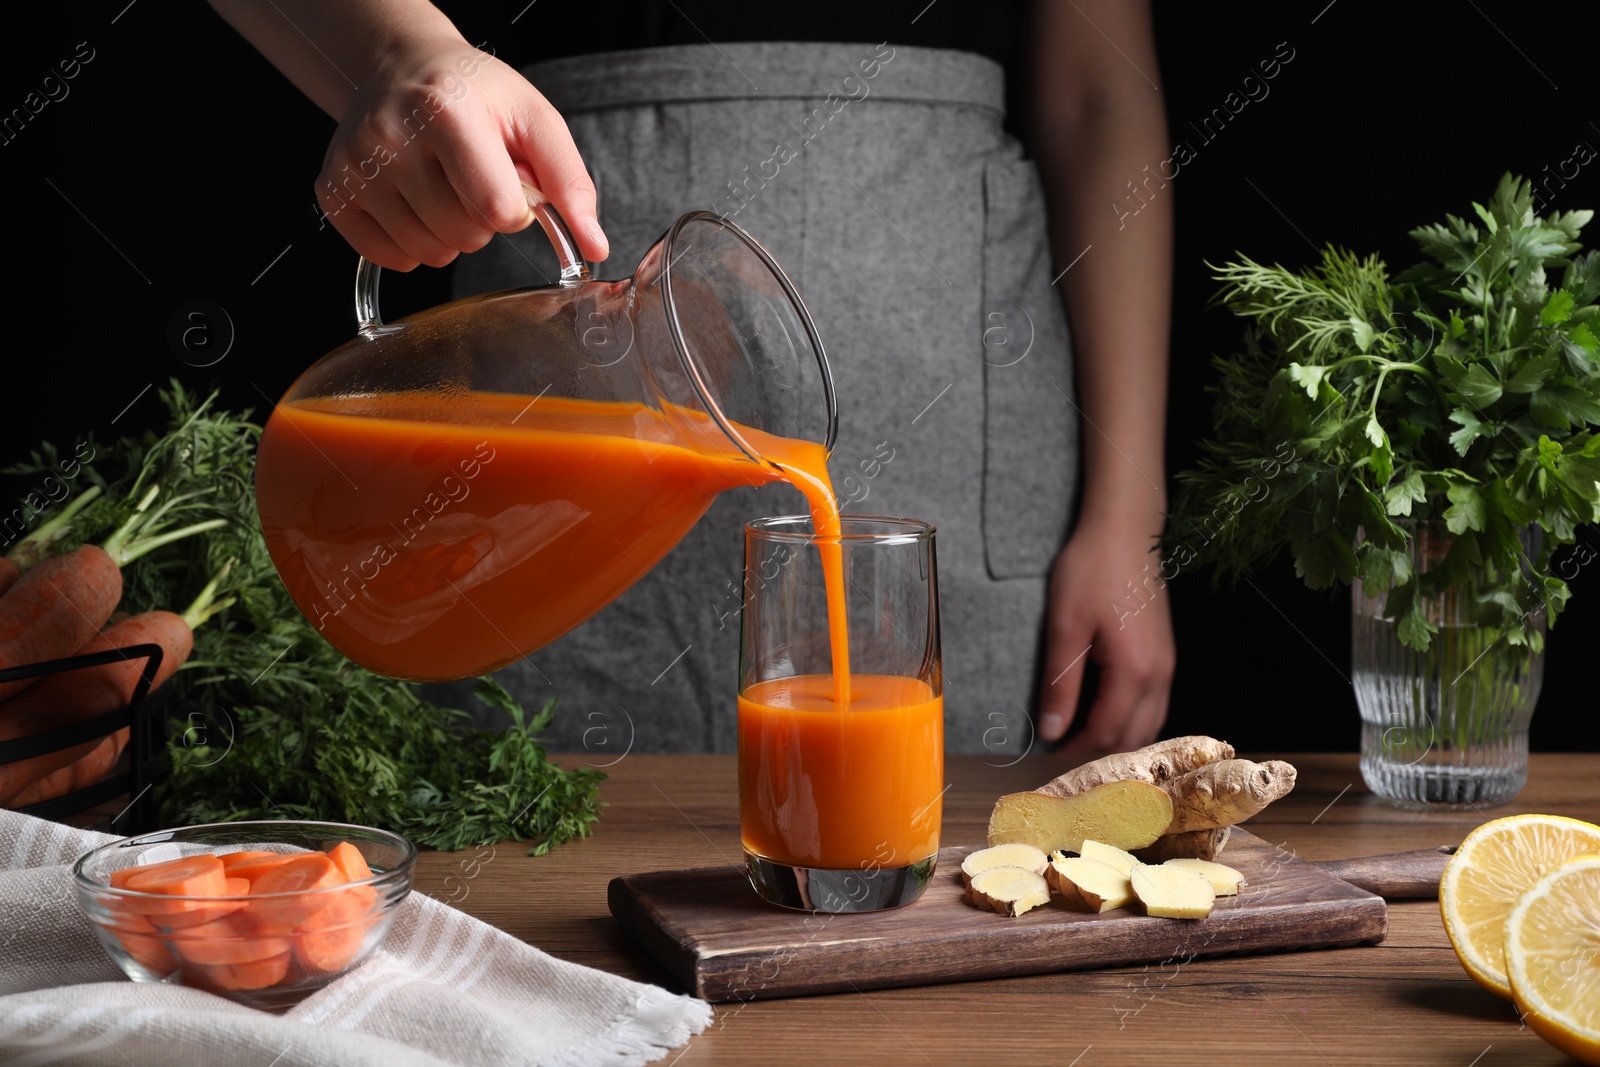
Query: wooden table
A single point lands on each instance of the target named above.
(1406, 1001)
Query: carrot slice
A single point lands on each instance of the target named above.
(198, 875)
(255, 974)
(138, 937)
(148, 951)
(182, 879)
(252, 865)
(351, 863)
(300, 876)
(334, 936)
(201, 914)
(224, 941)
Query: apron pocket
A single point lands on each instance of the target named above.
(1030, 460)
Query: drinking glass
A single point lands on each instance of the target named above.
(840, 774)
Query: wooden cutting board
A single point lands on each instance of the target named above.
(723, 942)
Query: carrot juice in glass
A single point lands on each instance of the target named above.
(841, 712)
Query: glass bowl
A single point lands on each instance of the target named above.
(260, 942)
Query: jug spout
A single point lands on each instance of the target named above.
(724, 331)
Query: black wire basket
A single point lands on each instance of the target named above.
(143, 760)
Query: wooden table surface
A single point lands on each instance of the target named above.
(1406, 1001)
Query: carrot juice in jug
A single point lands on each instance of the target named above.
(433, 550)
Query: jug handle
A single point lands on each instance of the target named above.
(574, 271)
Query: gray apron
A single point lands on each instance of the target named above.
(880, 178)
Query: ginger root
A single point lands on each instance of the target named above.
(1226, 792)
(1210, 790)
(1008, 890)
(1156, 764)
(1015, 854)
(1126, 814)
(1172, 892)
(1196, 844)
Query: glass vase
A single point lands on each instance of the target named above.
(1447, 727)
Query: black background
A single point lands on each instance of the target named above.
(179, 168)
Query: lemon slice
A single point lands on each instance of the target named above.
(1553, 957)
(1495, 865)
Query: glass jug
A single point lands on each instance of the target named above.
(450, 492)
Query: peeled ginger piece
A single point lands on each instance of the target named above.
(1089, 884)
(1172, 892)
(1017, 854)
(1109, 854)
(1225, 881)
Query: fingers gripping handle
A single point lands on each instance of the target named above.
(574, 271)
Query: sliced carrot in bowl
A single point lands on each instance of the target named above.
(203, 913)
(225, 941)
(252, 865)
(182, 880)
(332, 938)
(138, 937)
(254, 974)
(288, 893)
(351, 863)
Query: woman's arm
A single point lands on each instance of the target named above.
(434, 136)
(1095, 122)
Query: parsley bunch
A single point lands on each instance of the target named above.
(1463, 391)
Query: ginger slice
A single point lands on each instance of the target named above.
(1225, 881)
(1008, 890)
(1015, 854)
(1089, 883)
(1172, 892)
(1108, 854)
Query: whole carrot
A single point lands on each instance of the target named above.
(72, 696)
(55, 608)
(79, 774)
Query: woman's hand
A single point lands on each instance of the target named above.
(1107, 603)
(432, 132)
(431, 154)
(429, 158)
